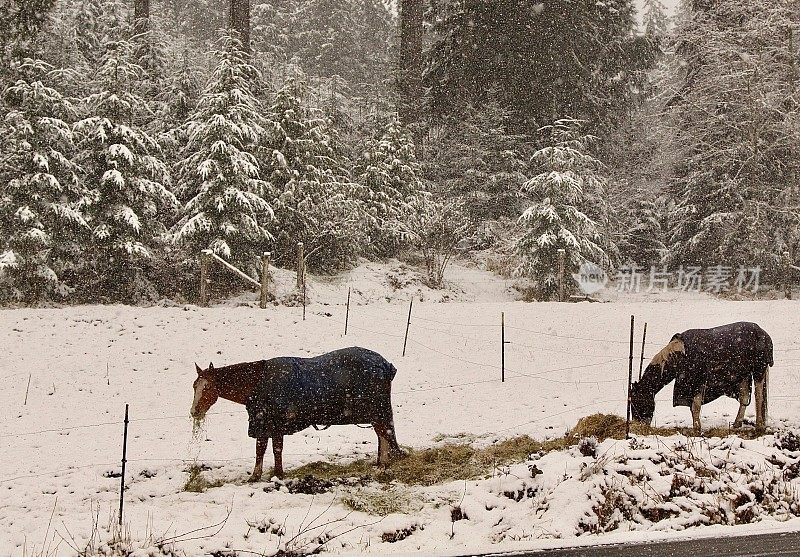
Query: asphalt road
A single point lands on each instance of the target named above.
(740, 546)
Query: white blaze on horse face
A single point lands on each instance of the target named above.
(200, 386)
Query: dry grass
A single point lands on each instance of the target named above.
(382, 503)
(197, 483)
(610, 426)
(436, 465)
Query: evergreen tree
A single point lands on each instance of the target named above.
(392, 189)
(317, 202)
(476, 158)
(123, 167)
(326, 38)
(541, 59)
(20, 23)
(567, 211)
(654, 19)
(229, 205)
(40, 204)
(735, 187)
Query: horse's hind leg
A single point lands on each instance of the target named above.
(277, 454)
(394, 448)
(761, 399)
(261, 448)
(383, 443)
(697, 403)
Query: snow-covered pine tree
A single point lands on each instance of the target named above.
(20, 22)
(476, 158)
(567, 210)
(654, 19)
(40, 204)
(736, 183)
(228, 209)
(316, 203)
(392, 188)
(123, 167)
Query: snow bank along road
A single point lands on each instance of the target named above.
(61, 450)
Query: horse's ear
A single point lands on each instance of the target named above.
(197, 367)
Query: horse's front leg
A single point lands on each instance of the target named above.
(261, 448)
(277, 454)
(744, 400)
(697, 403)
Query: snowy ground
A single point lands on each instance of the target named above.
(60, 451)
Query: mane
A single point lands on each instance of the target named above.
(654, 379)
(235, 382)
(674, 346)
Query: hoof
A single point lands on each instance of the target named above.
(254, 478)
(736, 425)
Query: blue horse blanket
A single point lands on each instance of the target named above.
(347, 386)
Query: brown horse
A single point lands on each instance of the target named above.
(285, 395)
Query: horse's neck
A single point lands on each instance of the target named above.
(236, 382)
(654, 381)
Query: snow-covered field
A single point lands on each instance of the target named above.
(60, 452)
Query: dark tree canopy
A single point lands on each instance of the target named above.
(543, 60)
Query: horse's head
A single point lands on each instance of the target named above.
(661, 370)
(205, 391)
(643, 403)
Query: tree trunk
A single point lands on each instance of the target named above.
(240, 21)
(410, 78)
(141, 15)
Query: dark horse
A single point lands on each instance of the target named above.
(285, 395)
(705, 365)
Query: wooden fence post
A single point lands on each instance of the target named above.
(124, 460)
(347, 314)
(408, 324)
(205, 264)
(561, 257)
(301, 271)
(630, 380)
(264, 279)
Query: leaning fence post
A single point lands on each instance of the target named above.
(205, 263)
(408, 324)
(264, 278)
(124, 460)
(27, 389)
(300, 265)
(347, 313)
(630, 380)
(641, 361)
(304, 300)
(561, 256)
